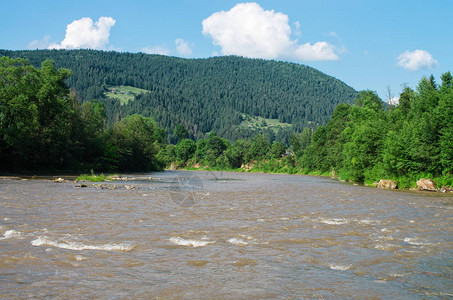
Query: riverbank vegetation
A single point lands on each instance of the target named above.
(96, 178)
(44, 126)
(364, 142)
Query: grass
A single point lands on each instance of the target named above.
(96, 178)
(260, 123)
(124, 93)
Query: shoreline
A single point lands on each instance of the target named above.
(374, 185)
(69, 176)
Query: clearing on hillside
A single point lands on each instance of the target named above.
(260, 123)
(124, 93)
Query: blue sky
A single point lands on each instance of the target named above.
(367, 44)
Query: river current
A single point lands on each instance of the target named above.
(220, 235)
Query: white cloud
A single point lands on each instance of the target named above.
(249, 30)
(182, 47)
(317, 51)
(40, 44)
(297, 31)
(84, 34)
(394, 100)
(416, 60)
(162, 50)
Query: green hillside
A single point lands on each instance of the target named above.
(203, 94)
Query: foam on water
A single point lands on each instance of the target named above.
(334, 221)
(386, 246)
(187, 242)
(368, 222)
(340, 267)
(79, 257)
(237, 241)
(415, 242)
(71, 245)
(385, 238)
(11, 234)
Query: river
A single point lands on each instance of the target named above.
(185, 235)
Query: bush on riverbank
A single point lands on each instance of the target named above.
(44, 126)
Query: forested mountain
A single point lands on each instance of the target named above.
(205, 95)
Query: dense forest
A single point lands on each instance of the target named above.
(365, 142)
(44, 126)
(205, 95)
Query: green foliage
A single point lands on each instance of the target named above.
(314, 157)
(181, 132)
(137, 146)
(369, 99)
(166, 155)
(260, 147)
(203, 94)
(238, 153)
(367, 143)
(44, 126)
(185, 149)
(300, 142)
(96, 178)
(35, 115)
(277, 150)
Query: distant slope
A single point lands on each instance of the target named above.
(204, 94)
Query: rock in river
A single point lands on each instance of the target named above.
(426, 185)
(387, 184)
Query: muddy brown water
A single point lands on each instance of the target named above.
(182, 234)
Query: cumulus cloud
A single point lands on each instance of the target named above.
(317, 51)
(182, 47)
(40, 44)
(249, 30)
(416, 60)
(84, 34)
(162, 50)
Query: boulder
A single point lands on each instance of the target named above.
(426, 184)
(59, 180)
(387, 184)
(248, 166)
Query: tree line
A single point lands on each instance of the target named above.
(204, 94)
(363, 142)
(45, 126)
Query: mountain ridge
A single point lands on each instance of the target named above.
(204, 94)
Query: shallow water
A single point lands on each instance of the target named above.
(181, 234)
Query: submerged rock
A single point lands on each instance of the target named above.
(387, 184)
(106, 186)
(426, 184)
